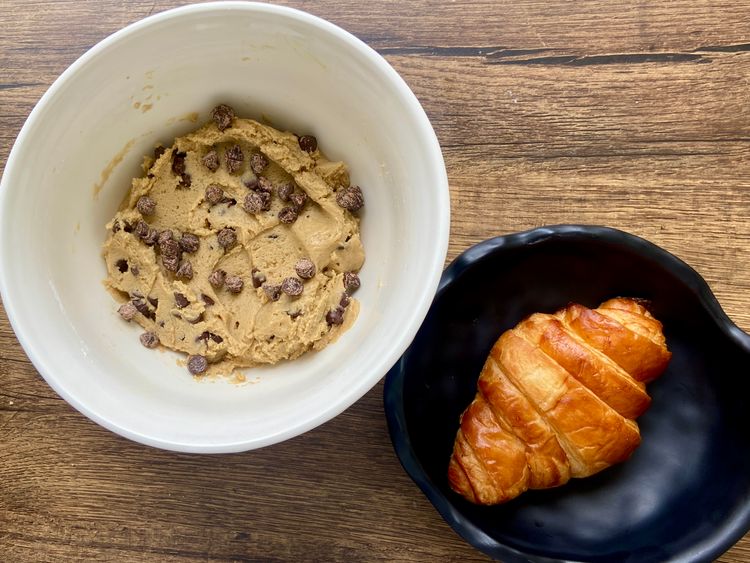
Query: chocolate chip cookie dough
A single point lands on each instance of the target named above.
(239, 247)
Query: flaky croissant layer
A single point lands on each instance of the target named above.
(556, 399)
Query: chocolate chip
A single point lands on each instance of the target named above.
(308, 143)
(154, 301)
(272, 291)
(185, 181)
(350, 198)
(288, 215)
(335, 316)
(164, 236)
(141, 229)
(170, 263)
(292, 286)
(189, 243)
(128, 228)
(135, 270)
(115, 226)
(211, 161)
(197, 364)
(122, 265)
(285, 190)
(227, 238)
(223, 115)
(250, 182)
(345, 300)
(143, 309)
(178, 162)
(258, 162)
(257, 277)
(217, 277)
(158, 151)
(196, 320)
(233, 157)
(146, 205)
(234, 283)
(152, 236)
(255, 202)
(264, 184)
(127, 311)
(149, 340)
(351, 282)
(298, 200)
(205, 336)
(180, 300)
(169, 247)
(185, 271)
(207, 300)
(305, 268)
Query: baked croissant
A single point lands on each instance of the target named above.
(557, 398)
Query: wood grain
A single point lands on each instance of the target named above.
(628, 114)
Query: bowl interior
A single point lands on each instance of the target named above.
(686, 490)
(157, 79)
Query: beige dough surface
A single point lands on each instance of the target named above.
(236, 330)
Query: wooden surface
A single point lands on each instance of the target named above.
(634, 115)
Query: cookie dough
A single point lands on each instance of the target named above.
(238, 247)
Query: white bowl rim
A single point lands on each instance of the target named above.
(438, 248)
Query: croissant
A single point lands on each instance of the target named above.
(556, 399)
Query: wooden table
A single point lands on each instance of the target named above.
(634, 115)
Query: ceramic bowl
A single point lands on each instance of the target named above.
(159, 78)
(685, 493)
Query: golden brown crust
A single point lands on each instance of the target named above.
(556, 399)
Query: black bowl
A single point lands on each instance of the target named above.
(685, 493)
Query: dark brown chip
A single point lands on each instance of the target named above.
(227, 238)
(127, 311)
(285, 190)
(351, 282)
(223, 115)
(255, 202)
(217, 278)
(196, 320)
(122, 265)
(141, 229)
(211, 161)
(207, 300)
(145, 205)
(298, 200)
(143, 308)
(185, 181)
(158, 151)
(292, 286)
(197, 364)
(152, 236)
(214, 194)
(189, 243)
(335, 316)
(164, 236)
(149, 340)
(115, 226)
(258, 162)
(305, 268)
(250, 182)
(345, 300)
(169, 248)
(205, 336)
(264, 185)
(288, 215)
(170, 263)
(257, 277)
(272, 291)
(234, 283)
(308, 143)
(154, 301)
(233, 158)
(185, 271)
(135, 270)
(350, 198)
(178, 162)
(127, 227)
(180, 300)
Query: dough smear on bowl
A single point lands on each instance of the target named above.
(239, 247)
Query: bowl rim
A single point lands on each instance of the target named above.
(723, 537)
(408, 329)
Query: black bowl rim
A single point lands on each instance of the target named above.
(724, 536)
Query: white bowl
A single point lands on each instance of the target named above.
(64, 180)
